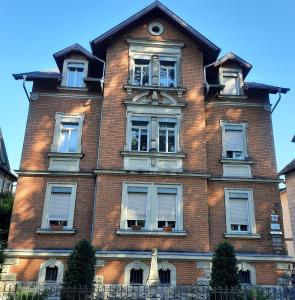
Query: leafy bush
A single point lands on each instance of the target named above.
(6, 205)
(257, 294)
(224, 268)
(25, 293)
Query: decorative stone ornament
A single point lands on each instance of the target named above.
(156, 28)
(153, 278)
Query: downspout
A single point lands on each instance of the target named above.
(103, 70)
(205, 77)
(24, 86)
(278, 101)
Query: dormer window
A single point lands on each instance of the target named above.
(75, 74)
(232, 80)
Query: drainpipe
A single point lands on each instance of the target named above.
(24, 86)
(278, 101)
(205, 76)
(103, 70)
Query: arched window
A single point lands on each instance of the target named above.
(51, 271)
(136, 273)
(136, 276)
(245, 277)
(247, 273)
(51, 274)
(164, 276)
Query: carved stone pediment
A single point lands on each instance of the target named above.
(154, 97)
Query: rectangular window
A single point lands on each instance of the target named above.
(167, 73)
(139, 134)
(67, 133)
(141, 72)
(59, 206)
(167, 202)
(136, 206)
(151, 207)
(75, 74)
(167, 135)
(234, 140)
(68, 139)
(239, 211)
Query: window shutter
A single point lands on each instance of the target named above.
(136, 206)
(239, 209)
(167, 204)
(59, 206)
(234, 140)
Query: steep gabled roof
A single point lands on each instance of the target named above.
(289, 168)
(246, 67)
(59, 56)
(211, 51)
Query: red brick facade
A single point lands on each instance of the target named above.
(101, 175)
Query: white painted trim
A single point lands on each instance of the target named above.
(242, 236)
(251, 216)
(62, 117)
(166, 265)
(44, 224)
(121, 254)
(54, 173)
(51, 263)
(239, 76)
(161, 28)
(151, 205)
(136, 265)
(151, 232)
(63, 95)
(244, 266)
(245, 179)
(65, 70)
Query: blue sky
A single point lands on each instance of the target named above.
(262, 32)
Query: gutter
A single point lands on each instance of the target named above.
(206, 84)
(24, 86)
(277, 102)
(103, 70)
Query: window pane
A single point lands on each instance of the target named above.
(245, 277)
(163, 77)
(162, 140)
(136, 276)
(51, 274)
(143, 140)
(73, 146)
(134, 139)
(164, 276)
(137, 75)
(145, 76)
(63, 141)
(171, 141)
(171, 77)
(79, 78)
(71, 77)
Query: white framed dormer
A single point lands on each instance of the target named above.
(232, 79)
(59, 208)
(51, 272)
(234, 156)
(66, 148)
(136, 273)
(74, 72)
(151, 207)
(161, 61)
(240, 213)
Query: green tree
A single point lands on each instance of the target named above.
(224, 268)
(6, 205)
(2, 258)
(81, 266)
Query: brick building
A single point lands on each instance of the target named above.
(148, 141)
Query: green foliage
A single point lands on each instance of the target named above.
(81, 266)
(6, 204)
(25, 293)
(256, 294)
(2, 258)
(224, 268)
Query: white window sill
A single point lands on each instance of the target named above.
(65, 154)
(230, 96)
(242, 236)
(51, 231)
(151, 232)
(235, 161)
(153, 154)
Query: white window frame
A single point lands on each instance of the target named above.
(66, 62)
(136, 265)
(251, 210)
(144, 57)
(46, 209)
(232, 73)
(176, 134)
(170, 59)
(148, 128)
(60, 118)
(51, 263)
(244, 128)
(151, 222)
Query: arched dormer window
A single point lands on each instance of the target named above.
(51, 271)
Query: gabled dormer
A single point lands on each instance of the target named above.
(232, 72)
(73, 63)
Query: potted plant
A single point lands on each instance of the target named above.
(167, 228)
(136, 227)
(56, 226)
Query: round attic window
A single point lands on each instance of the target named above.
(156, 28)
